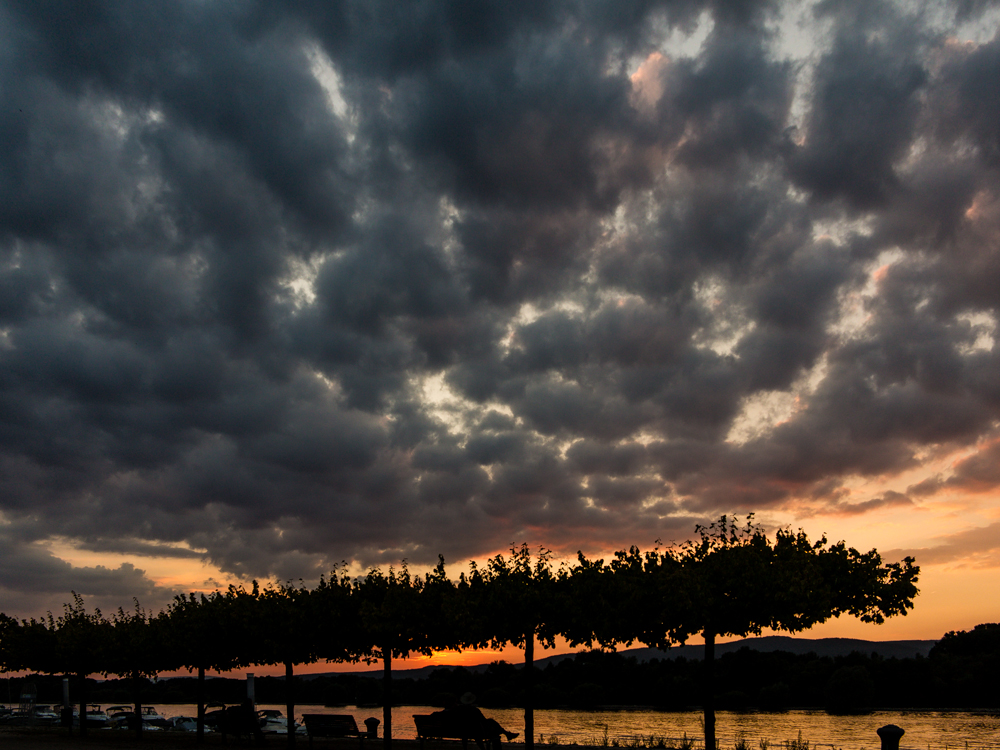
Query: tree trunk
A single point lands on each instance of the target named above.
(387, 698)
(201, 705)
(137, 698)
(708, 701)
(529, 698)
(290, 702)
(83, 706)
(67, 706)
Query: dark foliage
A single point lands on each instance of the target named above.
(774, 680)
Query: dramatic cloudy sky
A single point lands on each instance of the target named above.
(285, 284)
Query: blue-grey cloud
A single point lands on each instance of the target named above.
(286, 285)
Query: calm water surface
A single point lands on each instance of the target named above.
(937, 730)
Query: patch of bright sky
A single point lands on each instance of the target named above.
(645, 70)
(797, 30)
(331, 385)
(118, 122)
(449, 211)
(852, 316)
(442, 231)
(442, 403)
(678, 42)
(301, 279)
(643, 438)
(940, 18)
(727, 330)
(798, 37)
(163, 570)
(115, 121)
(985, 325)
(841, 230)
(327, 76)
(528, 313)
(761, 412)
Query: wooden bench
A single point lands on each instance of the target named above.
(332, 725)
(435, 728)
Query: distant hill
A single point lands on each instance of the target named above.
(820, 646)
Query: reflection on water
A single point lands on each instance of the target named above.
(937, 730)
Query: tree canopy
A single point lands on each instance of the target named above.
(732, 579)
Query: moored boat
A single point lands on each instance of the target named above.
(152, 719)
(273, 721)
(96, 717)
(123, 717)
(185, 724)
(119, 716)
(46, 714)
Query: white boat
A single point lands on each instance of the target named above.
(185, 724)
(96, 717)
(121, 717)
(273, 721)
(152, 719)
(46, 714)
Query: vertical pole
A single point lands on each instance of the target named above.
(83, 706)
(138, 706)
(290, 702)
(387, 698)
(67, 707)
(201, 705)
(709, 696)
(250, 691)
(529, 698)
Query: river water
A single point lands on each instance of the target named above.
(930, 730)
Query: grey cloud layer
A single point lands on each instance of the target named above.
(508, 291)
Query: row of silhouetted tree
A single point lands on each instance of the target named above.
(959, 673)
(730, 580)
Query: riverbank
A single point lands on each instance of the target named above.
(57, 738)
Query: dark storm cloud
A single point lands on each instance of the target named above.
(864, 109)
(281, 286)
(889, 499)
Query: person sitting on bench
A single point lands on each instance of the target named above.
(466, 714)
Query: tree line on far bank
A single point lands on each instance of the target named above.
(731, 580)
(960, 672)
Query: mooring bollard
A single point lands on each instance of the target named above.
(890, 735)
(371, 724)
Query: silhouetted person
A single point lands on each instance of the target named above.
(466, 714)
(241, 720)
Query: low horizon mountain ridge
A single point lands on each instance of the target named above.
(900, 649)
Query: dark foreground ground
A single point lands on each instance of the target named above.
(47, 738)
